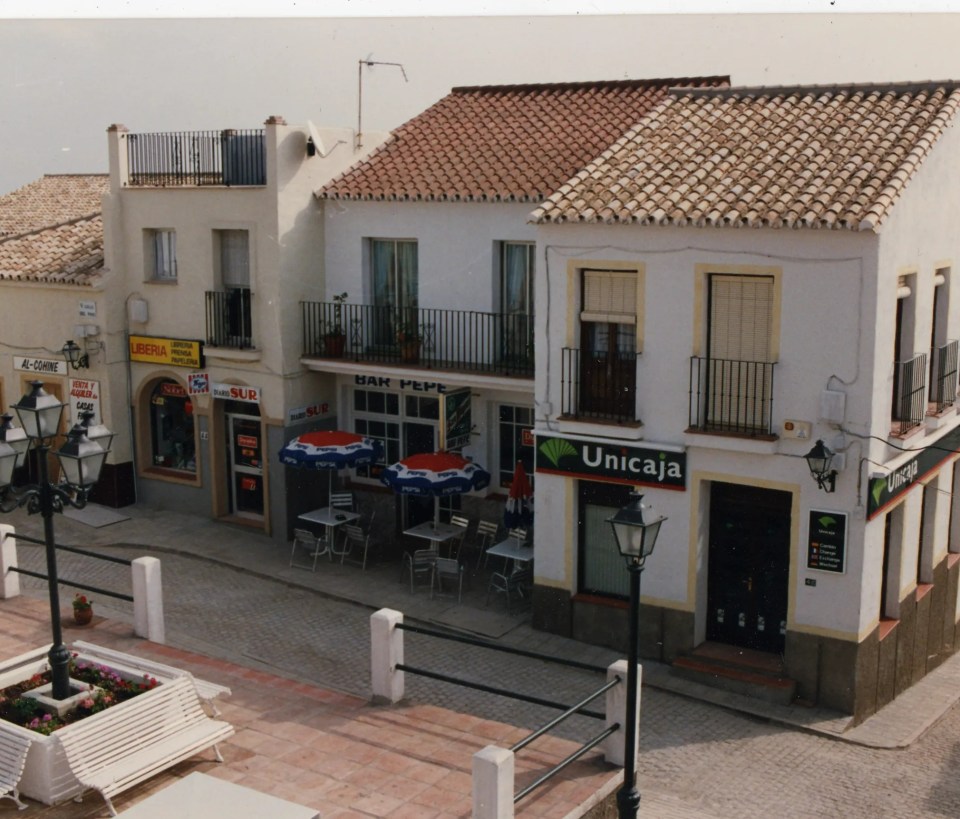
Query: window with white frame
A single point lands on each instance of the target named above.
(160, 253)
(516, 441)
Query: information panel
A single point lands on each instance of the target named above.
(827, 541)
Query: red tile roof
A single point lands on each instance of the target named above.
(502, 143)
(50, 200)
(816, 156)
(70, 253)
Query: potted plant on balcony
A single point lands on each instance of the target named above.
(82, 609)
(408, 340)
(334, 336)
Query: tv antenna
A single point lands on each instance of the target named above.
(369, 63)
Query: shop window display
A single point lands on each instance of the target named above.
(172, 428)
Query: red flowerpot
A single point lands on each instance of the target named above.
(82, 617)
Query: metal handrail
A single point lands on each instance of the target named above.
(227, 158)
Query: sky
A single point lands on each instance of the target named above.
(68, 72)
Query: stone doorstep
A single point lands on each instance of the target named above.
(772, 688)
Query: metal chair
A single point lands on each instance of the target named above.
(342, 500)
(484, 538)
(354, 538)
(306, 541)
(456, 544)
(419, 564)
(446, 568)
(515, 585)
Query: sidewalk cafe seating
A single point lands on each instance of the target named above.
(342, 500)
(514, 586)
(456, 545)
(307, 548)
(484, 538)
(446, 568)
(355, 540)
(419, 565)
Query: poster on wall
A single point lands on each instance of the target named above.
(84, 397)
(457, 419)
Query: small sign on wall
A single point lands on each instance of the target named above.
(827, 541)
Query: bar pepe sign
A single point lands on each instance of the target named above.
(645, 466)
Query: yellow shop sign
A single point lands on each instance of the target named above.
(174, 351)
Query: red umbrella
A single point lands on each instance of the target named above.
(519, 511)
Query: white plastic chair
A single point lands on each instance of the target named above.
(355, 538)
(456, 544)
(419, 564)
(485, 537)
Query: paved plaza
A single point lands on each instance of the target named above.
(229, 595)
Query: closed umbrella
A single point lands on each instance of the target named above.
(519, 509)
(435, 474)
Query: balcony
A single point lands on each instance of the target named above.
(453, 340)
(909, 394)
(943, 377)
(229, 320)
(599, 385)
(731, 397)
(201, 158)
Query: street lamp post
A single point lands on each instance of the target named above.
(81, 460)
(635, 528)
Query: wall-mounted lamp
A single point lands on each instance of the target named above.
(74, 356)
(819, 459)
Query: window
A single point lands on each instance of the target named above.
(172, 428)
(602, 570)
(516, 441)
(395, 288)
(943, 351)
(233, 270)
(909, 399)
(516, 300)
(608, 344)
(160, 252)
(732, 386)
(376, 415)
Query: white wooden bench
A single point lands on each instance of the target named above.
(207, 690)
(13, 756)
(137, 739)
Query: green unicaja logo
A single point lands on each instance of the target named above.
(876, 489)
(556, 448)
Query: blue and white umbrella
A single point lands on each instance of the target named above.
(435, 474)
(330, 449)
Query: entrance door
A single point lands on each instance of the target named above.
(245, 465)
(749, 566)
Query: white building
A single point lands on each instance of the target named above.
(214, 239)
(429, 237)
(744, 273)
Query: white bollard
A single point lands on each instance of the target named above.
(386, 651)
(9, 580)
(616, 710)
(148, 599)
(493, 771)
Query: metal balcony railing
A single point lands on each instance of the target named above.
(943, 376)
(909, 393)
(599, 385)
(197, 158)
(731, 396)
(229, 318)
(458, 340)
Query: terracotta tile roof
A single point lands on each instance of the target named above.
(50, 200)
(502, 143)
(825, 157)
(69, 253)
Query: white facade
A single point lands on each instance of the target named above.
(832, 332)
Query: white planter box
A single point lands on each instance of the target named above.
(47, 777)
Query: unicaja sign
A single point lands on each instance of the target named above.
(637, 466)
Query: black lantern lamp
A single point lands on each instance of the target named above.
(819, 459)
(81, 460)
(74, 356)
(635, 528)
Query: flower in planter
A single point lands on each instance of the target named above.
(81, 603)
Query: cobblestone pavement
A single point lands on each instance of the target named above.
(698, 759)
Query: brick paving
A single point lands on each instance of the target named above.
(703, 753)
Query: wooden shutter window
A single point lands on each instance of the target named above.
(609, 296)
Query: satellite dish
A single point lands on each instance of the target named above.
(314, 143)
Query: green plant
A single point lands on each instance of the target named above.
(81, 603)
(407, 332)
(335, 327)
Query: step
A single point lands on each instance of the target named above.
(774, 688)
